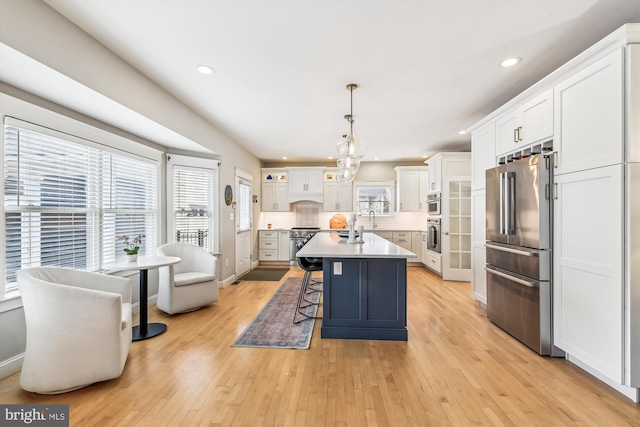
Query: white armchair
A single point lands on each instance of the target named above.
(190, 284)
(78, 328)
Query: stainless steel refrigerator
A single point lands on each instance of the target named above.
(518, 251)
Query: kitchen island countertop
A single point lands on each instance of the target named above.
(329, 244)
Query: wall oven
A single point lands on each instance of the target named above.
(433, 234)
(433, 204)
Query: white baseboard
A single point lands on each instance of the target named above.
(630, 392)
(229, 280)
(11, 366)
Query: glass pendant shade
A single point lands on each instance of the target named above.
(350, 149)
(351, 145)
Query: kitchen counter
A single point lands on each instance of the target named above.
(330, 244)
(364, 286)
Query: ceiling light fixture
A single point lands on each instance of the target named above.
(350, 149)
(510, 62)
(205, 69)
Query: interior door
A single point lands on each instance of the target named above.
(244, 226)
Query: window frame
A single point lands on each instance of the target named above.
(194, 163)
(29, 116)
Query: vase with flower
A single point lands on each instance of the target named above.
(131, 246)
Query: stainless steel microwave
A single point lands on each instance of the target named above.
(433, 204)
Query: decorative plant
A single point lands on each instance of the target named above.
(132, 244)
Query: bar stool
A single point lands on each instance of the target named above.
(309, 265)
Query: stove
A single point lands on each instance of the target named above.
(302, 232)
(298, 234)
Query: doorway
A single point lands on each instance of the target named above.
(244, 223)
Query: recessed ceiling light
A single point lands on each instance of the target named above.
(462, 132)
(376, 158)
(205, 69)
(284, 157)
(510, 62)
(330, 157)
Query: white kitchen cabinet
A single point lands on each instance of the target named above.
(412, 188)
(402, 239)
(483, 154)
(424, 247)
(275, 190)
(268, 245)
(434, 261)
(483, 157)
(589, 116)
(588, 261)
(283, 245)
(478, 250)
(338, 196)
(529, 123)
(273, 245)
(435, 174)
(416, 246)
(305, 184)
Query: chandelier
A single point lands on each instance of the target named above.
(350, 149)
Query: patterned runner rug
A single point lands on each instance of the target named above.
(274, 327)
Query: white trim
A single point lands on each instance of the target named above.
(10, 302)
(11, 366)
(630, 392)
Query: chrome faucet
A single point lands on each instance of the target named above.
(374, 218)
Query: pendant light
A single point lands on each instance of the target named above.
(350, 149)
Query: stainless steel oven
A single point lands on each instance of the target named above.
(433, 234)
(433, 204)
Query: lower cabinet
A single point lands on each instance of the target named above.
(402, 239)
(273, 245)
(364, 298)
(478, 251)
(588, 287)
(434, 261)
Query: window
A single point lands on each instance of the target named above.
(244, 205)
(373, 196)
(193, 208)
(65, 201)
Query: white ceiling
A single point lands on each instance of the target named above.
(425, 69)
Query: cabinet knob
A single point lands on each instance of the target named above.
(446, 233)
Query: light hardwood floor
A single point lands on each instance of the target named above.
(457, 369)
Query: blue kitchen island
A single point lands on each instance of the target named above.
(364, 286)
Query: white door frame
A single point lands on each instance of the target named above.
(243, 241)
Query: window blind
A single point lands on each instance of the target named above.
(64, 202)
(193, 193)
(243, 206)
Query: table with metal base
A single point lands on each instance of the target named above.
(145, 329)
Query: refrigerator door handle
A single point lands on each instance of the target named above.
(512, 278)
(513, 251)
(502, 181)
(510, 211)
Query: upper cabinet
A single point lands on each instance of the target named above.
(483, 149)
(306, 184)
(590, 116)
(338, 196)
(413, 187)
(435, 174)
(275, 190)
(529, 123)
